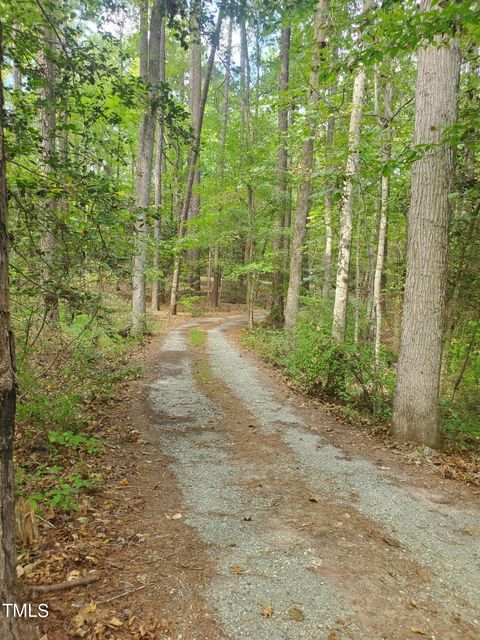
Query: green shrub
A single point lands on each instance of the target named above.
(319, 366)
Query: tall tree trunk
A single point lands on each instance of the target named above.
(382, 228)
(143, 177)
(327, 256)
(415, 414)
(306, 165)
(356, 328)
(158, 195)
(193, 159)
(10, 628)
(195, 97)
(276, 316)
(217, 275)
(245, 117)
(375, 224)
(341, 287)
(48, 241)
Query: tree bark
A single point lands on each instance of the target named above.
(195, 97)
(341, 287)
(193, 159)
(276, 316)
(158, 195)
(415, 414)
(47, 117)
(245, 117)
(143, 177)
(10, 628)
(382, 228)
(217, 274)
(327, 256)
(302, 208)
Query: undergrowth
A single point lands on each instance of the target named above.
(362, 390)
(62, 382)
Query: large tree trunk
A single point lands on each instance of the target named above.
(158, 195)
(344, 250)
(193, 159)
(276, 316)
(217, 274)
(382, 228)
(10, 628)
(306, 165)
(415, 414)
(143, 177)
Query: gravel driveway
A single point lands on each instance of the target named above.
(307, 540)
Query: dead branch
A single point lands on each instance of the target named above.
(62, 586)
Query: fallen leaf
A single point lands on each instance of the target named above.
(176, 516)
(235, 569)
(72, 575)
(123, 482)
(115, 622)
(79, 620)
(90, 608)
(418, 631)
(267, 611)
(296, 614)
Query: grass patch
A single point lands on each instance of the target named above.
(197, 337)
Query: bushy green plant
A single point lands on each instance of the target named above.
(319, 366)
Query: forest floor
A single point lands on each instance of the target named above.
(237, 508)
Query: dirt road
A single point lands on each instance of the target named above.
(285, 524)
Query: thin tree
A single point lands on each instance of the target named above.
(48, 125)
(195, 97)
(150, 73)
(193, 159)
(415, 414)
(276, 315)
(217, 274)
(306, 165)
(345, 244)
(158, 186)
(10, 628)
(329, 188)
(245, 119)
(382, 228)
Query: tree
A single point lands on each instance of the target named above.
(193, 159)
(158, 185)
(150, 73)
(10, 628)
(346, 211)
(195, 97)
(382, 229)
(48, 125)
(306, 165)
(276, 316)
(217, 275)
(415, 415)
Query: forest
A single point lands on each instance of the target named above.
(311, 166)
